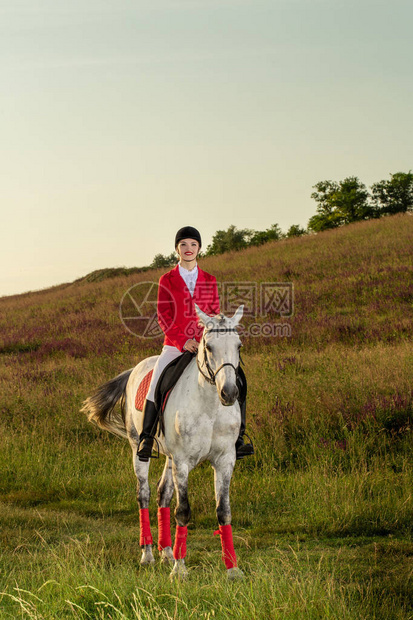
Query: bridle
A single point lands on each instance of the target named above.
(212, 374)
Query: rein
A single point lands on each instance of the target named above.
(212, 374)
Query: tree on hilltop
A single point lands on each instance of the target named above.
(233, 239)
(395, 195)
(227, 240)
(295, 231)
(163, 261)
(340, 203)
(274, 233)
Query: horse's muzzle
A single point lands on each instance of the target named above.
(228, 395)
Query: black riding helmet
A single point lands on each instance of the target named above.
(187, 232)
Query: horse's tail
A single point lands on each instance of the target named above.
(100, 407)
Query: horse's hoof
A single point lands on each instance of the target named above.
(235, 573)
(147, 556)
(179, 571)
(167, 556)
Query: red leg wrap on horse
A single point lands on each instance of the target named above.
(180, 542)
(164, 528)
(146, 536)
(228, 551)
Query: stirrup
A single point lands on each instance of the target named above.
(248, 446)
(144, 458)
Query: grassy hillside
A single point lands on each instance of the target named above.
(322, 516)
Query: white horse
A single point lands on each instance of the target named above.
(201, 422)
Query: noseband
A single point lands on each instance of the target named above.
(212, 374)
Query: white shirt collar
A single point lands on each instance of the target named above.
(187, 272)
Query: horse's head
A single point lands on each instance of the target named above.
(218, 353)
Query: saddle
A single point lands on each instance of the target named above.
(168, 377)
(167, 380)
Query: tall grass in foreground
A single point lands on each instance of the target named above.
(81, 568)
(322, 516)
(294, 589)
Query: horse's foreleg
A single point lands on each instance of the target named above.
(182, 515)
(165, 493)
(223, 469)
(144, 494)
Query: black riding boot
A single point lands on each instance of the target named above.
(150, 421)
(243, 449)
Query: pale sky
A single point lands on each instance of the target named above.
(122, 121)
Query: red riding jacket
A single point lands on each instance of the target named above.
(177, 316)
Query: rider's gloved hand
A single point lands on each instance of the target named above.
(191, 345)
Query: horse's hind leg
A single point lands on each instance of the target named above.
(180, 473)
(223, 468)
(144, 494)
(165, 493)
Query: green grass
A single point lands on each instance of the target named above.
(322, 516)
(301, 558)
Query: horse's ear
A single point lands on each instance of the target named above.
(237, 316)
(204, 319)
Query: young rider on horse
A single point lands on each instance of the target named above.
(181, 331)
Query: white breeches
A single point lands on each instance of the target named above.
(168, 354)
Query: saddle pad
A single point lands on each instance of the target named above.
(142, 391)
